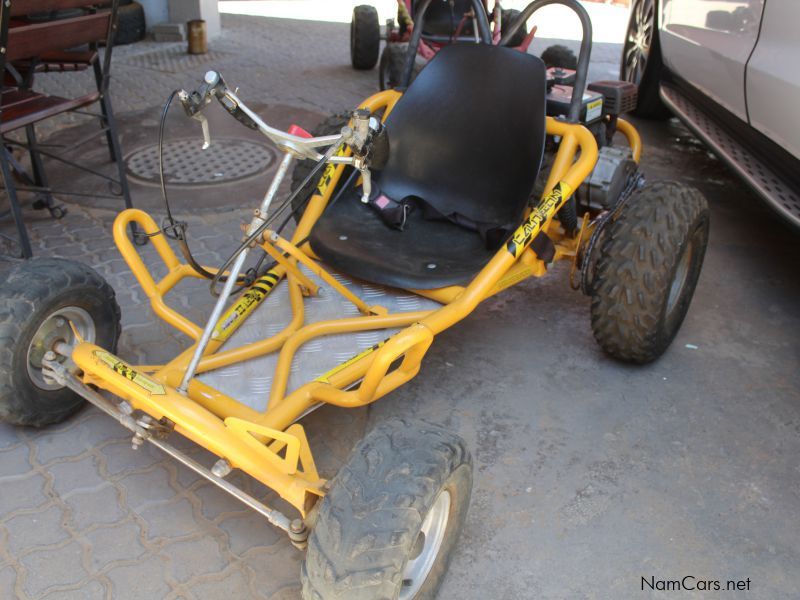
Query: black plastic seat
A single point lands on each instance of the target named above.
(466, 139)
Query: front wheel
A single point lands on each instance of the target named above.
(388, 525)
(365, 37)
(43, 302)
(647, 270)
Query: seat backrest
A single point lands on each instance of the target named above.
(467, 136)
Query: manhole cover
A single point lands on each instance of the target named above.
(186, 163)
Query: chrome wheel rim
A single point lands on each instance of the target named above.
(680, 278)
(426, 547)
(56, 328)
(638, 41)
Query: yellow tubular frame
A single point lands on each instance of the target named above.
(249, 439)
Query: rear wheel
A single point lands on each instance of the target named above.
(38, 301)
(390, 70)
(559, 56)
(641, 59)
(388, 525)
(365, 37)
(508, 16)
(647, 271)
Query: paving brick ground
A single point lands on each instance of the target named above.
(572, 451)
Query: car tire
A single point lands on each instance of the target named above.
(641, 59)
(388, 524)
(38, 300)
(648, 269)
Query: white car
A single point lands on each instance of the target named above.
(730, 70)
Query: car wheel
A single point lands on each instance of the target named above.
(641, 59)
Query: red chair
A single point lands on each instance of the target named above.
(28, 46)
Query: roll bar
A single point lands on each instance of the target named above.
(419, 19)
(582, 71)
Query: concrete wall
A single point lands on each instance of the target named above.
(181, 11)
(155, 12)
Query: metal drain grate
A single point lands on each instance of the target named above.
(186, 163)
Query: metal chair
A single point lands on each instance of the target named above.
(29, 45)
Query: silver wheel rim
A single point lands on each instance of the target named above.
(681, 275)
(56, 328)
(426, 547)
(638, 41)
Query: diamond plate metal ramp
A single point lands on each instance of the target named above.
(249, 382)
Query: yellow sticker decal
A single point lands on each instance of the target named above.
(325, 180)
(327, 174)
(523, 236)
(510, 280)
(327, 376)
(239, 311)
(594, 110)
(118, 366)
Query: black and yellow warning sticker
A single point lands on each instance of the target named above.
(117, 365)
(513, 278)
(239, 311)
(327, 174)
(543, 211)
(326, 378)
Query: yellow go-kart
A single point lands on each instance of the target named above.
(423, 209)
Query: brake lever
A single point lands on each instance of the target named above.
(204, 126)
(193, 105)
(368, 141)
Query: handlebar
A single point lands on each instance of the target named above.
(365, 135)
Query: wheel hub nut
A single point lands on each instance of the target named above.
(221, 468)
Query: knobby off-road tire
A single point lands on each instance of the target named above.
(390, 69)
(369, 523)
(648, 269)
(330, 126)
(559, 56)
(507, 17)
(130, 24)
(32, 297)
(365, 37)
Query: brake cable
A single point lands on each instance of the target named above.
(175, 229)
